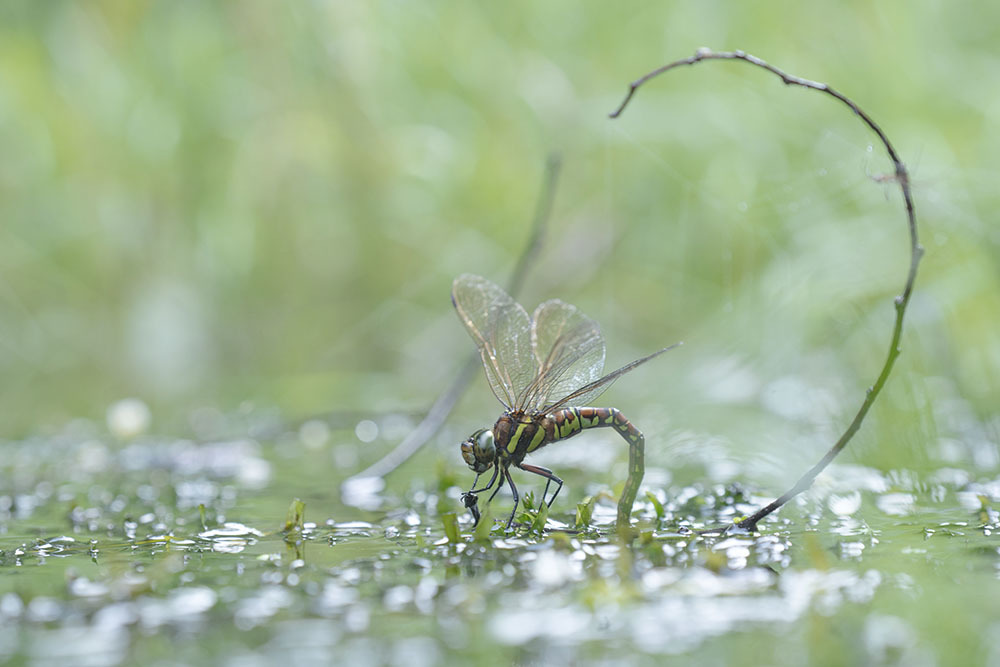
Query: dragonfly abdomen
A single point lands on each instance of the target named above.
(570, 421)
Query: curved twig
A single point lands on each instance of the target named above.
(901, 301)
(361, 490)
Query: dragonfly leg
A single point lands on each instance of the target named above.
(488, 486)
(549, 478)
(499, 486)
(469, 498)
(513, 490)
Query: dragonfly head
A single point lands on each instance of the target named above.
(479, 450)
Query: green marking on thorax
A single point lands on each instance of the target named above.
(520, 432)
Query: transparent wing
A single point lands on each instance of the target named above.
(589, 392)
(569, 349)
(502, 332)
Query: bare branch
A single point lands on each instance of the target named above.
(901, 301)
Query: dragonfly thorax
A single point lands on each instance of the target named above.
(479, 450)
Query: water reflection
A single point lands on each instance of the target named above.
(159, 554)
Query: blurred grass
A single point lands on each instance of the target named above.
(210, 204)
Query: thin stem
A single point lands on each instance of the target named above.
(901, 301)
(539, 225)
(359, 489)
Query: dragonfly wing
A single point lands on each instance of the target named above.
(569, 349)
(589, 392)
(501, 329)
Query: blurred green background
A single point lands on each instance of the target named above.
(252, 212)
(232, 204)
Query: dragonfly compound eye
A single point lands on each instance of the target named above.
(479, 450)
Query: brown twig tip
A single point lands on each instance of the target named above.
(901, 178)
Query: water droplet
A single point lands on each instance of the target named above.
(128, 418)
(366, 430)
(314, 434)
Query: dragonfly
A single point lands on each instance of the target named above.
(541, 368)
